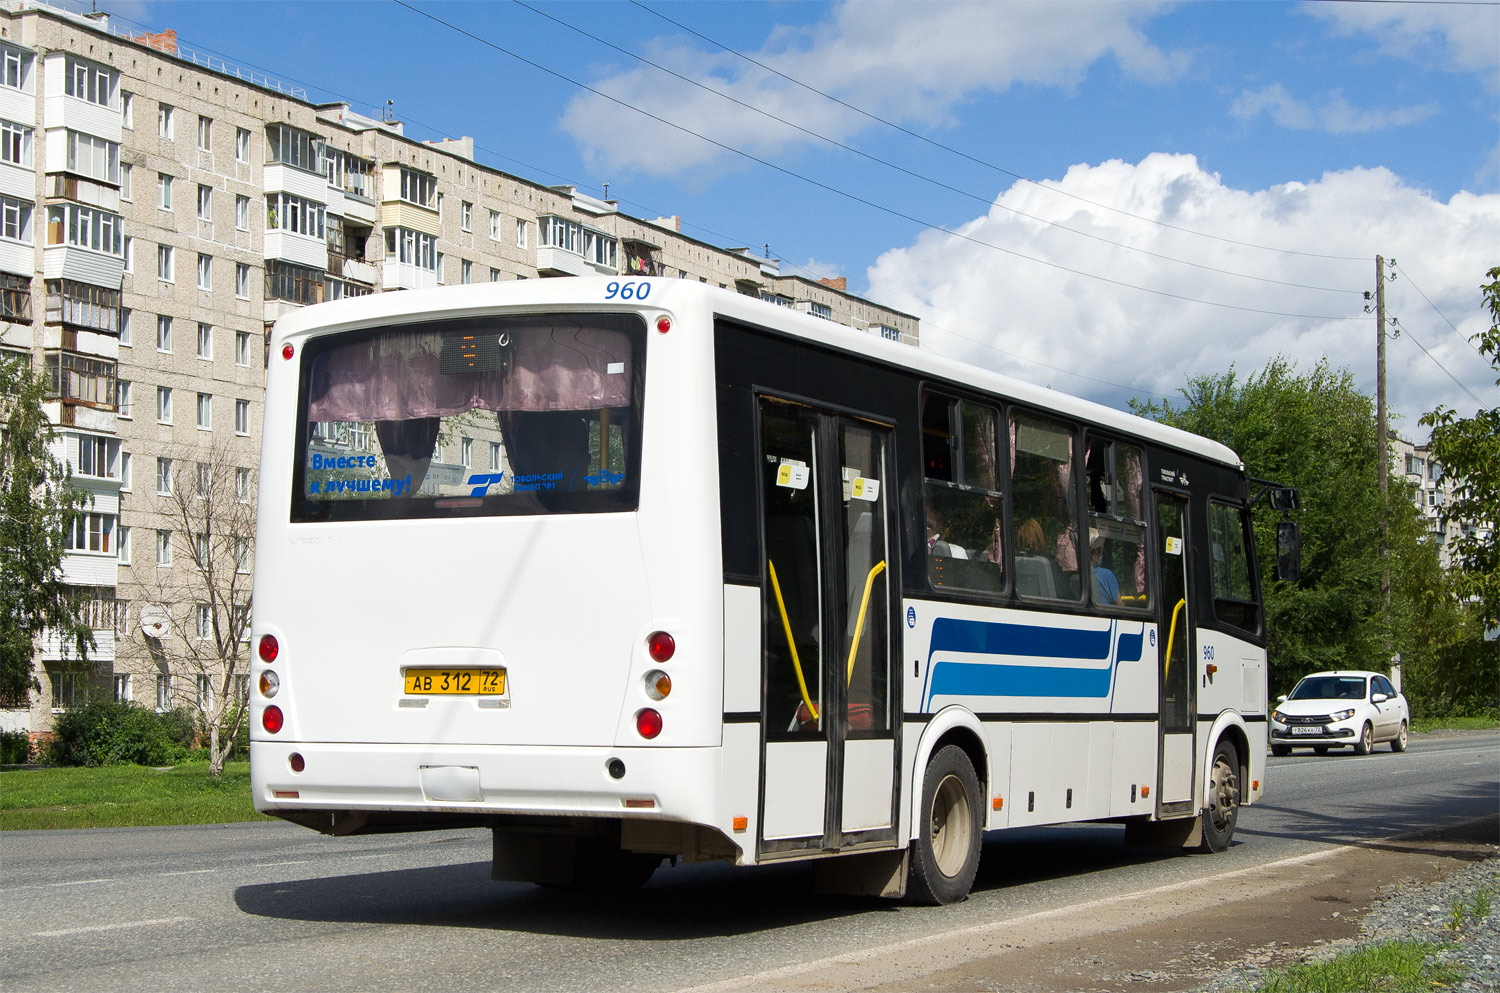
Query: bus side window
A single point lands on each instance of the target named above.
(1117, 527)
(963, 506)
(1044, 506)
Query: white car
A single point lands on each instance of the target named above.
(1333, 709)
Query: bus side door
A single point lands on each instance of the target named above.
(1177, 703)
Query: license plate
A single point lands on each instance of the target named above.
(1314, 730)
(470, 682)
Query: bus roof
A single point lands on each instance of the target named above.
(680, 295)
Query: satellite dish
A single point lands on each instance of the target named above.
(153, 621)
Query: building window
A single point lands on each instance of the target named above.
(122, 688)
(242, 556)
(68, 689)
(294, 147)
(90, 82)
(494, 225)
(126, 178)
(205, 132)
(205, 411)
(242, 485)
(15, 297)
(440, 268)
(494, 456)
(889, 333)
(84, 227)
(205, 272)
(164, 117)
(419, 188)
(596, 247)
(15, 220)
(204, 477)
(203, 628)
(92, 533)
(163, 405)
(164, 263)
(164, 548)
(241, 145)
(466, 271)
(163, 333)
(93, 157)
(242, 280)
(83, 305)
(465, 215)
(122, 536)
(163, 691)
(129, 247)
(164, 477)
(494, 275)
(465, 451)
(205, 202)
(242, 348)
(80, 378)
(293, 283)
(242, 417)
(205, 340)
(285, 212)
(164, 191)
(122, 399)
(411, 248)
(125, 313)
(125, 472)
(15, 73)
(821, 310)
(16, 144)
(520, 233)
(127, 110)
(97, 456)
(242, 213)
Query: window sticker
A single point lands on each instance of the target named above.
(864, 489)
(793, 475)
(1174, 546)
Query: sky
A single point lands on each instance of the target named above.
(1102, 198)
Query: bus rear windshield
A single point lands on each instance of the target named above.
(471, 418)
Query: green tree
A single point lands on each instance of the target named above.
(1314, 431)
(1468, 449)
(39, 508)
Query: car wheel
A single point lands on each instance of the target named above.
(945, 856)
(1223, 810)
(1321, 749)
(1398, 743)
(1366, 742)
(1281, 750)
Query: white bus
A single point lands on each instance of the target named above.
(626, 569)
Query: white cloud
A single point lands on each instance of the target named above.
(1336, 116)
(1452, 37)
(1072, 331)
(907, 62)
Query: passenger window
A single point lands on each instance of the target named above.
(963, 505)
(1234, 589)
(1044, 508)
(1117, 523)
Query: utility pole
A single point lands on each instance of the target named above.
(1382, 449)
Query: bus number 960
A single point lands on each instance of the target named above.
(616, 290)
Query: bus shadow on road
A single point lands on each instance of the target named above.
(1388, 821)
(680, 902)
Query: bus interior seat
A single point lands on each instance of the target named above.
(1037, 575)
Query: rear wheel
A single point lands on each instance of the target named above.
(1321, 749)
(1223, 810)
(1282, 750)
(1398, 743)
(1366, 742)
(945, 855)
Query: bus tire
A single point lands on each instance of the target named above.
(945, 854)
(1365, 743)
(1223, 810)
(1398, 743)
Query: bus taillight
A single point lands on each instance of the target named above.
(661, 646)
(647, 723)
(269, 684)
(268, 648)
(658, 684)
(272, 720)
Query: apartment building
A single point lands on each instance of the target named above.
(1432, 492)
(158, 212)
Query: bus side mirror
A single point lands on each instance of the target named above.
(1288, 551)
(1285, 498)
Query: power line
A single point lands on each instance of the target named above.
(987, 201)
(988, 165)
(1434, 307)
(851, 196)
(1400, 327)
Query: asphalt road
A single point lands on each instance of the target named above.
(272, 906)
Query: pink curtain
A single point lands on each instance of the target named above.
(396, 376)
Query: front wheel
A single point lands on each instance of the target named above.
(1281, 750)
(945, 855)
(1398, 743)
(1223, 810)
(1366, 743)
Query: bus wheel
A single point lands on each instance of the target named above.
(1366, 743)
(945, 856)
(1223, 798)
(1398, 743)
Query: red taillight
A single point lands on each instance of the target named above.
(296, 762)
(648, 723)
(268, 648)
(663, 324)
(271, 719)
(661, 646)
(287, 350)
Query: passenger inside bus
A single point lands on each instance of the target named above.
(1106, 586)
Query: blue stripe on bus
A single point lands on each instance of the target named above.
(953, 678)
(950, 634)
(988, 679)
(1129, 647)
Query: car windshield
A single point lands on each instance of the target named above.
(1330, 688)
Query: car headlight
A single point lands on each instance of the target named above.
(1343, 715)
(1276, 716)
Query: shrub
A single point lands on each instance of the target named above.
(104, 732)
(15, 747)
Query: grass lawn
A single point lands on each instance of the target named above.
(1424, 724)
(124, 796)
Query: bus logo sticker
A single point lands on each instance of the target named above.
(483, 481)
(911, 617)
(792, 475)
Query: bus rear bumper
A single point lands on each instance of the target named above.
(677, 784)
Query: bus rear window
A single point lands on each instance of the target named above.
(478, 417)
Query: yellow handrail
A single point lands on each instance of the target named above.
(786, 626)
(1171, 634)
(859, 626)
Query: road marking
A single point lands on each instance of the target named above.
(278, 865)
(383, 855)
(982, 930)
(83, 882)
(187, 872)
(155, 922)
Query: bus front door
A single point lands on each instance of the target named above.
(828, 775)
(1174, 787)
